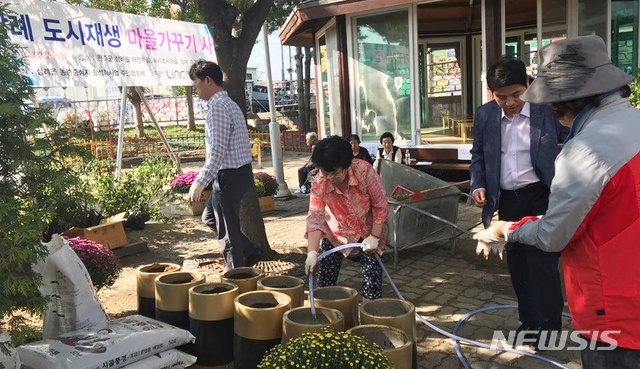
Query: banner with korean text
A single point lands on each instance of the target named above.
(75, 46)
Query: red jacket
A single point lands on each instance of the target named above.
(594, 219)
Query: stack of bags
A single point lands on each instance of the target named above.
(78, 334)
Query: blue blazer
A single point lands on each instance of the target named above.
(546, 136)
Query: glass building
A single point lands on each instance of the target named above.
(416, 68)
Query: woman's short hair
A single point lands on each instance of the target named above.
(387, 135)
(311, 136)
(332, 153)
(353, 138)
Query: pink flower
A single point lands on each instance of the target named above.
(101, 263)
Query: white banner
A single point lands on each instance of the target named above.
(75, 46)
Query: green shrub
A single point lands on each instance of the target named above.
(138, 191)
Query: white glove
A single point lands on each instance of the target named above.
(485, 249)
(488, 241)
(195, 192)
(310, 263)
(370, 244)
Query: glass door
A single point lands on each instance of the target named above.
(445, 90)
(327, 46)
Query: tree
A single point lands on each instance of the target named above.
(184, 10)
(39, 193)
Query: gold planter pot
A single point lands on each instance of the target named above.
(344, 299)
(257, 325)
(395, 313)
(211, 309)
(246, 278)
(172, 297)
(292, 286)
(146, 285)
(298, 321)
(394, 342)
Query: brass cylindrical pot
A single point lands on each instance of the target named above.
(211, 309)
(172, 297)
(257, 325)
(394, 342)
(298, 321)
(395, 313)
(341, 298)
(146, 285)
(292, 286)
(246, 278)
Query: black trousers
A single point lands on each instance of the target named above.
(303, 174)
(619, 358)
(534, 273)
(228, 190)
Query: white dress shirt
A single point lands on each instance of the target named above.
(516, 170)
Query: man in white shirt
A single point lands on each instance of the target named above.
(514, 148)
(227, 164)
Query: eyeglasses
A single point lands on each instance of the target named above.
(335, 174)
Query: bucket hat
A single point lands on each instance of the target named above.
(574, 68)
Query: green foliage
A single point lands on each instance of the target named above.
(39, 192)
(138, 191)
(634, 99)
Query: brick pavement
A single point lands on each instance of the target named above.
(443, 287)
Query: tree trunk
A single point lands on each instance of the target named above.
(302, 103)
(307, 88)
(137, 107)
(191, 121)
(252, 223)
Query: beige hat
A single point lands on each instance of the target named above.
(574, 68)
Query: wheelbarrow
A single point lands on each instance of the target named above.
(424, 208)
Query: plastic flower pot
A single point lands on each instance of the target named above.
(298, 321)
(146, 288)
(172, 297)
(257, 325)
(246, 278)
(211, 309)
(344, 299)
(292, 286)
(395, 313)
(393, 341)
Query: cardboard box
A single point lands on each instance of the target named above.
(109, 233)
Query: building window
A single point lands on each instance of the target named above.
(624, 35)
(383, 75)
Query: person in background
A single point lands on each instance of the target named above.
(348, 204)
(227, 164)
(514, 147)
(594, 208)
(388, 151)
(358, 151)
(304, 172)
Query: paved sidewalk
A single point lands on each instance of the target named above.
(443, 287)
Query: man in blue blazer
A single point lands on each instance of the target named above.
(512, 163)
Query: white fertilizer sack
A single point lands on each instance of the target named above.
(120, 343)
(170, 359)
(74, 304)
(9, 358)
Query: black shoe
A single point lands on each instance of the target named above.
(255, 257)
(544, 339)
(526, 330)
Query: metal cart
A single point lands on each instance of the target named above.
(424, 208)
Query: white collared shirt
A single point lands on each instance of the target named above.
(516, 170)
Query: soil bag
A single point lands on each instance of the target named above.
(120, 343)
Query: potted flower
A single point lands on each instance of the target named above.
(182, 183)
(101, 263)
(326, 349)
(266, 187)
